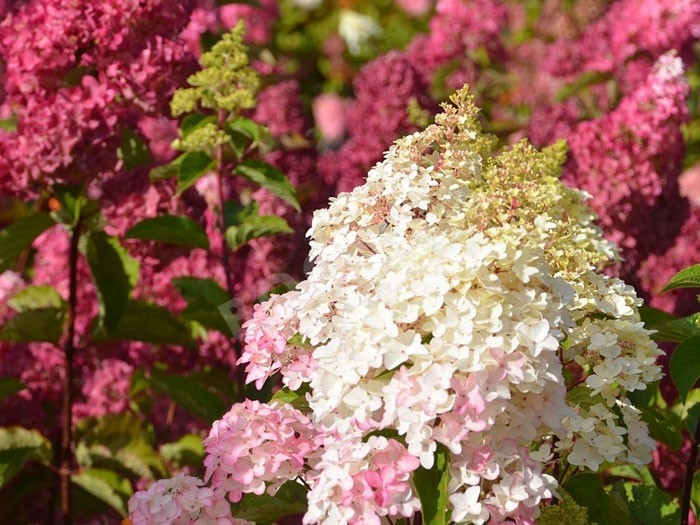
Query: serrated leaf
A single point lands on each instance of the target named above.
(685, 365)
(255, 227)
(166, 171)
(661, 429)
(431, 485)
(18, 446)
(106, 486)
(186, 451)
(35, 325)
(149, 323)
(270, 178)
(678, 330)
(171, 229)
(9, 386)
(36, 298)
(133, 150)
(289, 500)
(193, 166)
(190, 395)
(588, 491)
(687, 278)
(648, 505)
(19, 236)
(115, 274)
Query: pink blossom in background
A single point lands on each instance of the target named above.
(690, 184)
(107, 390)
(259, 20)
(415, 7)
(330, 116)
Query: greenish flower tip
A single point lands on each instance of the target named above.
(226, 81)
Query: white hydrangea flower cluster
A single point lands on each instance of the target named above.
(456, 299)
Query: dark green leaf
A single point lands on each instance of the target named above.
(296, 398)
(35, 325)
(695, 493)
(106, 486)
(36, 298)
(687, 278)
(270, 178)
(190, 395)
(587, 490)
(653, 317)
(195, 289)
(149, 323)
(9, 386)
(194, 121)
(18, 446)
(255, 227)
(693, 418)
(207, 315)
(246, 127)
(685, 365)
(431, 485)
(648, 505)
(133, 151)
(115, 274)
(581, 396)
(289, 500)
(171, 169)
(678, 330)
(172, 229)
(186, 451)
(661, 429)
(193, 166)
(75, 206)
(20, 235)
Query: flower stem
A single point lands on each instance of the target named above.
(66, 449)
(689, 472)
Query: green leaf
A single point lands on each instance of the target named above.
(106, 486)
(195, 289)
(653, 317)
(115, 274)
(687, 278)
(581, 396)
(678, 330)
(166, 171)
(193, 166)
(190, 395)
(36, 298)
(9, 386)
(134, 151)
(75, 206)
(20, 235)
(648, 505)
(255, 227)
(588, 491)
(685, 365)
(270, 178)
(246, 127)
(9, 124)
(194, 121)
(431, 485)
(149, 323)
(18, 446)
(661, 429)
(171, 229)
(695, 493)
(296, 398)
(35, 325)
(186, 451)
(289, 500)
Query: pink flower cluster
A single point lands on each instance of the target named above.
(180, 500)
(254, 444)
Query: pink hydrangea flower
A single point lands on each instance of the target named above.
(330, 116)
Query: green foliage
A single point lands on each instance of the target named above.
(648, 505)
(194, 397)
(431, 485)
(18, 446)
(193, 166)
(270, 178)
(115, 274)
(133, 151)
(205, 299)
(9, 386)
(35, 298)
(603, 509)
(171, 229)
(289, 500)
(187, 451)
(147, 322)
(686, 278)
(685, 365)
(678, 330)
(106, 486)
(45, 324)
(19, 236)
(246, 224)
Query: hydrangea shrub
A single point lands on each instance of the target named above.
(455, 349)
